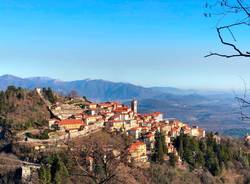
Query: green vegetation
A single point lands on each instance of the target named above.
(49, 95)
(204, 160)
(208, 154)
(43, 135)
(160, 148)
(45, 175)
(32, 124)
(53, 170)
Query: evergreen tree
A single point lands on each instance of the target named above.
(212, 163)
(49, 95)
(56, 171)
(44, 175)
(159, 150)
(180, 145)
(200, 161)
(163, 142)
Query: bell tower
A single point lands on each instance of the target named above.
(134, 106)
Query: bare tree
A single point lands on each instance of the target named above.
(244, 103)
(96, 162)
(232, 14)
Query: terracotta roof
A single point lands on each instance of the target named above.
(152, 114)
(70, 122)
(135, 146)
(135, 128)
(149, 135)
(174, 129)
(121, 109)
(105, 104)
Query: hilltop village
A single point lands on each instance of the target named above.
(78, 117)
(44, 133)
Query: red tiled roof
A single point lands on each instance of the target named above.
(135, 128)
(152, 114)
(135, 146)
(70, 122)
(105, 104)
(174, 129)
(149, 135)
(121, 109)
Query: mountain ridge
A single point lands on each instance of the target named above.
(95, 89)
(113, 90)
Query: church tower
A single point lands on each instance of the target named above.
(134, 106)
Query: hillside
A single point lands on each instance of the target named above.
(208, 159)
(22, 108)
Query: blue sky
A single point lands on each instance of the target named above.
(146, 42)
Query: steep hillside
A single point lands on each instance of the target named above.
(22, 108)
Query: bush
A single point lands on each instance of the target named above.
(43, 136)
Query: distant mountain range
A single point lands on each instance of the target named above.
(212, 110)
(99, 90)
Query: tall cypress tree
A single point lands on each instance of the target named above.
(163, 141)
(159, 150)
(180, 149)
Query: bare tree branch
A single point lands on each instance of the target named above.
(244, 104)
(243, 8)
(227, 8)
(103, 158)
